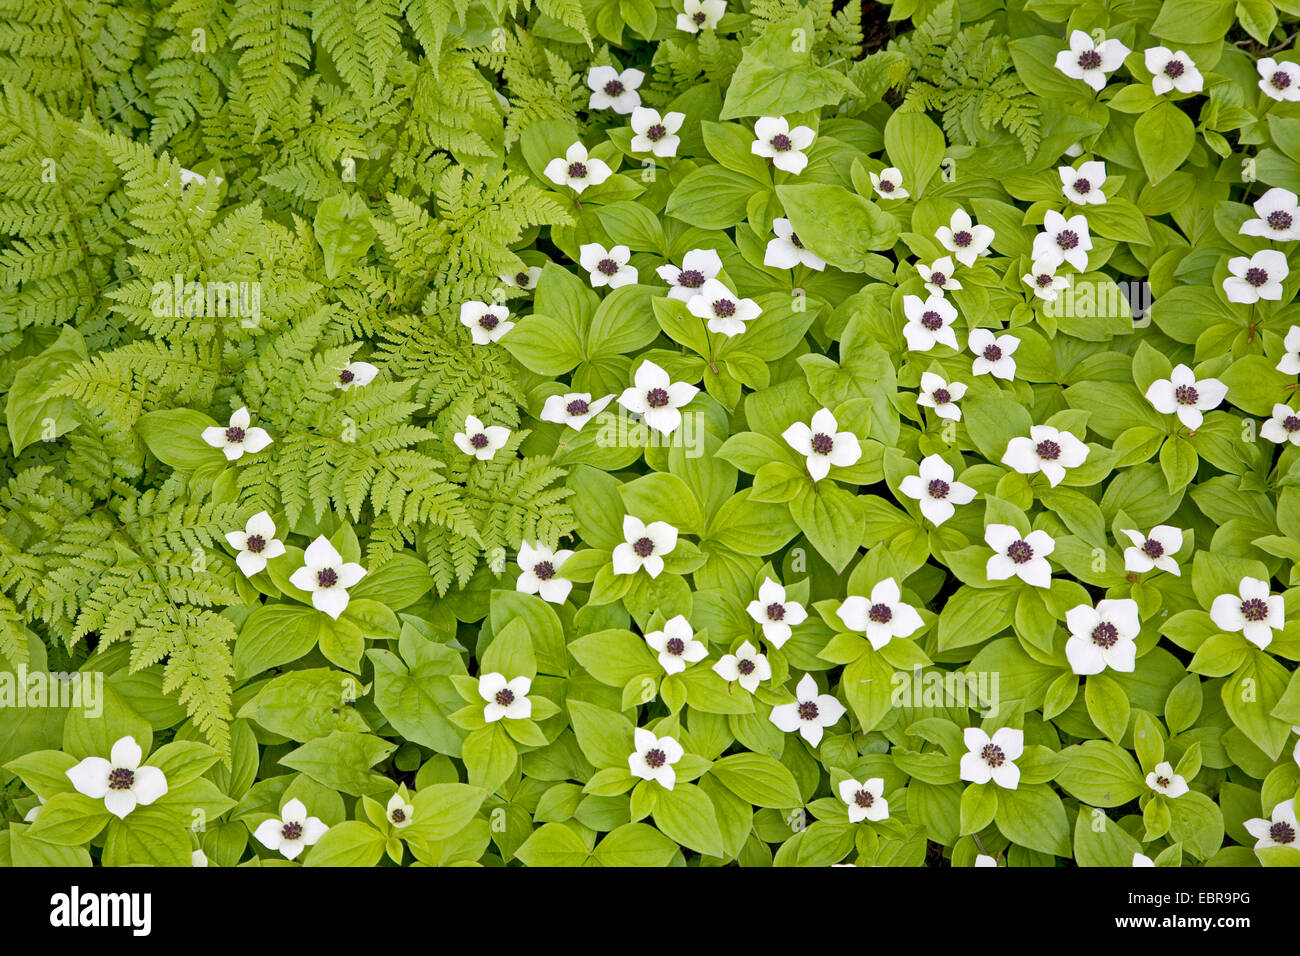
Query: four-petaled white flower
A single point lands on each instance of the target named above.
(526, 278)
(1279, 81)
(1082, 186)
(937, 276)
(1042, 278)
(612, 90)
(888, 183)
(505, 698)
(1252, 610)
(399, 813)
(356, 375)
(607, 267)
(1089, 61)
(785, 251)
(676, 645)
(935, 490)
(966, 240)
(1280, 830)
(653, 757)
(774, 613)
(1172, 70)
(865, 799)
(941, 396)
(698, 267)
(644, 546)
(1259, 277)
(656, 398)
(747, 667)
(539, 568)
(782, 146)
(929, 322)
(881, 617)
(1155, 550)
(256, 544)
(293, 832)
(1103, 636)
(1182, 394)
(725, 311)
(1063, 240)
(1048, 450)
(1290, 362)
(1283, 427)
(574, 409)
(822, 444)
(656, 134)
(577, 169)
(1277, 217)
(237, 437)
(810, 713)
(326, 576)
(481, 441)
(119, 781)
(700, 15)
(486, 323)
(993, 355)
(992, 758)
(1164, 781)
(1022, 557)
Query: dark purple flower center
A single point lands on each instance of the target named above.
(521, 278)
(346, 376)
(939, 279)
(577, 407)
(963, 238)
(655, 758)
(1162, 782)
(699, 17)
(1254, 609)
(234, 434)
(607, 267)
(1280, 80)
(794, 240)
(1019, 551)
(822, 443)
(1279, 220)
(614, 88)
(745, 666)
(887, 186)
(656, 132)
(941, 396)
(880, 614)
(1090, 59)
(992, 755)
(1082, 186)
(643, 547)
(864, 799)
(724, 308)
(675, 646)
(255, 543)
(808, 710)
(656, 397)
(992, 352)
(577, 170)
(932, 320)
(120, 778)
(1048, 450)
(781, 142)
(1044, 280)
(488, 321)
(505, 697)
(1174, 69)
(1067, 238)
(1256, 276)
(479, 441)
(938, 488)
(1291, 423)
(544, 570)
(776, 611)
(1153, 548)
(1282, 832)
(327, 577)
(291, 831)
(398, 815)
(1105, 634)
(690, 279)
(1186, 395)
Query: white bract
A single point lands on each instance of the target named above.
(1103, 636)
(237, 437)
(1290, 361)
(865, 799)
(654, 757)
(1141, 859)
(644, 546)
(676, 645)
(774, 613)
(1042, 278)
(1252, 610)
(992, 758)
(929, 322)
(700, 15)
(964, 239)
(356, 375)
(941, 396)
(747, 667)
(698, 267)
(486, 323)
(785, 251)
(256, 544)
(1022, 557)
(881, 617)
(481, 441)
(888, 184)
(1048, 450)
(984, 860)
(119, 781)
(938, 276)
(935, 490)
(612, 90)
(399, 813)
(1279, 81)
(574, 409)
(993, 355)
(526, 278)
(782, 146)
(656, 134)
(539, 568)
(326, 576)
(656, 398)
(1283, 426)
(607, 267)
(810, 713)
(1172, 70)
(1082, 186)
(1155, 550)
(505, 698)
(1063, 240)
(1164, 781)
(577, 169)
(1089, 61)
(293, 832)
(1184, 395)
(1277, 217)
(822, 444)
(725, 312)
(1280, 830)
(1259, 277)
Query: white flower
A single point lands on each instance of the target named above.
(822, 445)
(983, 859)
(505, 698)
(525, 279)
(1172, 71)
(654, 133)
(577, 169)
(574, 409)
(935, 490)
(1290, 363)
(656, 398)
(1281, 830)
(1048, 450)
(785, 251)
(1102, 637)
(993, 356)
(237, 438)
(1156, 550)
(700, 15)
(881, 617)
(1279, 81)
(1259, 277)
(698, 267)
(644, 546)
(929, 322)
(119, 781)
(1252, 610)
(1091, 62)
(1063, 240)
(1082, 186)
(1025, 558)
(964, 239)
(607, 267)
(747, 667)
(992, 758)
(486, 323)
(326, 576)
(1164, 780)
(940, 395)
(726, 312)
(292, 832)
(256, 544)
(1042, 278)
(1277, 216)
(1141, 859)
(865, 799)
(399, 813)
(539, 567)
(481, 441)
(1182, 394)
(783, 146)
(654, 757)
(810, 712)
(775, 614)
(676, 645)
(888, 184)
(612, 90)
(1283, 427)
(938, 276)
(356, 375)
